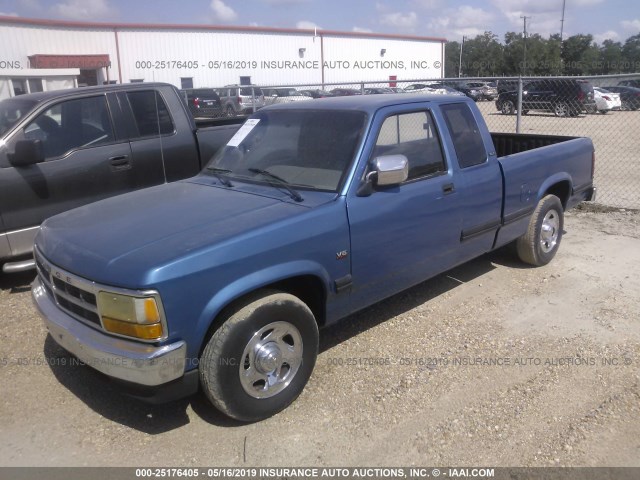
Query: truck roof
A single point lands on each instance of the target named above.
(44, 96)
(367, 103)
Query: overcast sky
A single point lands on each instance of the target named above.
(615, 19)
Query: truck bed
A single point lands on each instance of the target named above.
(510, 143)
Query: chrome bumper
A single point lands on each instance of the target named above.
(122, 359)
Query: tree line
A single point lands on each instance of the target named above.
(486, 56)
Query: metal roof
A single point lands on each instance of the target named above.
(213, 28)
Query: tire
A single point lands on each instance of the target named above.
(229, 111)
(603, 112)
(561, 109)
(540, 243)
(508, 108)
(259, 360)
(525, 112)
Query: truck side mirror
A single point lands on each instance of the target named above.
(386, 170)
(391, 169)
(26, 153)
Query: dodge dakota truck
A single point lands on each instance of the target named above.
(310, 212)
(65, 148)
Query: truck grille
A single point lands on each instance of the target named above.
(73, 294)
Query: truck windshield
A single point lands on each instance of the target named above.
(12, 110)
(306, 148)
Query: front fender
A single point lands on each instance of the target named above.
(251, 283)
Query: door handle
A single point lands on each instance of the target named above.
(448, 188)
(120, 162)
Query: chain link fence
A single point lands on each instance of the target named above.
(604, 108)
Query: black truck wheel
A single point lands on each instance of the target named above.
(262, 356)
(541, 242)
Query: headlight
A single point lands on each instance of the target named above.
(137, 317)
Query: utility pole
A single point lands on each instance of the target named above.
(460, 63)
(564, 2)
(524, 38)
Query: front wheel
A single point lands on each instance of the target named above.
(260, 359)
(540, 243)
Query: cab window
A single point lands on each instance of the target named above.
(465, 134)
(414, 136)
(151, 114)
(71, 125)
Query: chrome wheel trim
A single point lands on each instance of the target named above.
(508, 107)
(549, 231)
(562, 109)
(271, 360)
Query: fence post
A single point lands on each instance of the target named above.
(519, 106)
(362, 88)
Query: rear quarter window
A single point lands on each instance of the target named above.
(465, 134)
(150, 113)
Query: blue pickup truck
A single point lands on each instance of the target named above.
(312, 211)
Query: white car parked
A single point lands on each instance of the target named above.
(423, 88)
(282, 95)
(606, 100)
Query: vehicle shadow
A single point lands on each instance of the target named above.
(539, 115)
(409, 299)
(17, 282)
(106, 399)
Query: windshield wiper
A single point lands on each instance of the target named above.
(281, 181)
(217, 172)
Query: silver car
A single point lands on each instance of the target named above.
(240, 99)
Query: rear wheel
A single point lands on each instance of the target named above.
(262, 356)
(525, 112)
(561, 109)
(508, 107)
(540, 243)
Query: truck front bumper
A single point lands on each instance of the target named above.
(132, 362)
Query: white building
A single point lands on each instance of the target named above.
(43, 54)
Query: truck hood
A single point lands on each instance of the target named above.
(122, 240)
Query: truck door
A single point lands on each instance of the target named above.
(404, 234)
(163, 145)
(478, 180)
(85, 161)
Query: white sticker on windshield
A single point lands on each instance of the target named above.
(242, 133)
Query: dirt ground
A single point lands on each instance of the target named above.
(492, 364)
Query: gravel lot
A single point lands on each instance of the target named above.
(491, 364)
(615, 136)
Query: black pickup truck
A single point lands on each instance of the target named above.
(66, 148)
